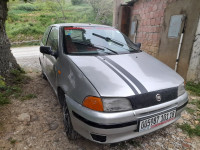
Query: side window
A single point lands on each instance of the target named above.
(53, 39)
(45, 36)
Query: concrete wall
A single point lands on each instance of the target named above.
(153, 25)
(169, 46)
(116, 8)
(194, 67)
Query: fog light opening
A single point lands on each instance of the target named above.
(99, 138)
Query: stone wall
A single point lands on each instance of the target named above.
(150, 16)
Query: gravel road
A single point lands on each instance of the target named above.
(27, 57)
(37, 123)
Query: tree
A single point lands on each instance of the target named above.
(102, 9)
(57, 6)
(7, 60)
(76, 2)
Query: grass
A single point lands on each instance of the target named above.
(134, 143)
(28, 97)
(25, 44)
(193, 88)
(12, 141)
(11, 87)
(28, 22)
(189, 130)
(196, 103)
(1, 126)
(189, 110)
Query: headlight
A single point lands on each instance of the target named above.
(181, 89)
(116, 104)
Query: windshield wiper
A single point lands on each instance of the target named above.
(107, 39)
(116, 42)
(89, 44)
(111, 50)
(94, 46)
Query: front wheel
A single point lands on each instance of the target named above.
(70, 132)
(44, 76)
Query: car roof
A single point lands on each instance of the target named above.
(80, 25)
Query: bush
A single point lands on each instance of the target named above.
(26, 7)
(13, 17)
(28, 29)
(193, 87)
(76, 2)
(2, 82)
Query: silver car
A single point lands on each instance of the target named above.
(109, 89)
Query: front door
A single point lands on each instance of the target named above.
(51, 60)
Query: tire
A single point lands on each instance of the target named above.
(44, 76)
(69, 130)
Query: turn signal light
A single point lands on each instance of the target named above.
(94, 103)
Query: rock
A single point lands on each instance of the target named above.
(34, 118)
(180, 121)
(170, 146)
(196, 122)
(187, 140)
(186, 145)
(179, 130)
(159, 144)
(181, 134)
(192, 126)
(53, 126)
(24, 117)
(191, 106)
(186, 116)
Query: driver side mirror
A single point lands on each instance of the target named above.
(47, 50)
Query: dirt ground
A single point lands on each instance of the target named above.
(37, 124)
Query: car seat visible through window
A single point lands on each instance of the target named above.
(70, 45)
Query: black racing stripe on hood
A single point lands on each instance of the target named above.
(127, 74)
(125, 80)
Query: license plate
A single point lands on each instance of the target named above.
(158, 120)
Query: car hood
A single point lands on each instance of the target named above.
(126, 74)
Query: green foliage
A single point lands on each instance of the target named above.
(134, 143)
(189, 110)
(27, 22)
(4, 100)
(76, 2)
(12, 141)
(12, 86)
(196, 103)
(103, 10)
(17, 76)
(26, 7)
(28, 97)
(2, 82)
(191, 131)
(13, 18)
(194, 88)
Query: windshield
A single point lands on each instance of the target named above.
(96, 40)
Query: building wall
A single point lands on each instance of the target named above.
(153, 24)
(150, 16)
(169, 46)
(194, 67)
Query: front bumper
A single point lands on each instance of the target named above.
(119, 126)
